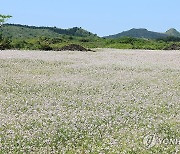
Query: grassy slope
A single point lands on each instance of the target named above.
(23, 31)
(34, 38)
(173, 32)
(139, 33)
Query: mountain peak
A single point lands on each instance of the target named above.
(138, 33)
(172, 29)
(139, 29)
(172, 32)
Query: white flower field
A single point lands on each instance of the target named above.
(89, 102)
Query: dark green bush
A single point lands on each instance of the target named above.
(46, 47)
(5, 43)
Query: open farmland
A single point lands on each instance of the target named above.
(109, 101)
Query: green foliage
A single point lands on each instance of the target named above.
(173, 32)
(47, 43)
(17, 32)
(169, 39)
(3, 18)
(135, 43)
(24, 31)
(45, 46)
(52, 38)
(139, 33)
(5, 43)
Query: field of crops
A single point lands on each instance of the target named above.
(109, 101)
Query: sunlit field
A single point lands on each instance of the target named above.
(109, 101)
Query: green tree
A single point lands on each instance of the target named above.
(4, 43)
(4, 18)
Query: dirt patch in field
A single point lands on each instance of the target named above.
(73, 47)
(173, 47)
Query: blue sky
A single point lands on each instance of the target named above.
(103, 17)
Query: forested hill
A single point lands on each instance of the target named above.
(139, 33)
(24, 31)
(173, 32)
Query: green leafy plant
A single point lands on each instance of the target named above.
(4, 18)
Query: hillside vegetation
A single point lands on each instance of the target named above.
(144, 33)
(24, 31)
(173, 32)
(52, 38)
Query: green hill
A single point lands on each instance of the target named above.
(24, 31)
(172, 32)
(139, 33)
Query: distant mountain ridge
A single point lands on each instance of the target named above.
(24, 31)
(144, 33)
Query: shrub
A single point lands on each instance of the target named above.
(44, 46)
(5, 43)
